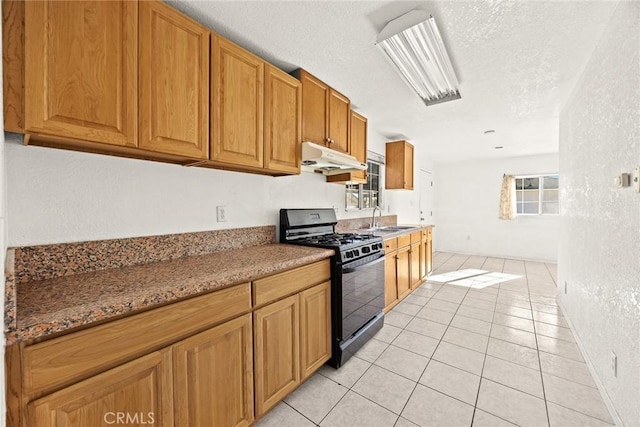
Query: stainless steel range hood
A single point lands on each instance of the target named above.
(316, 158)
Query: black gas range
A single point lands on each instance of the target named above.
(357, 276)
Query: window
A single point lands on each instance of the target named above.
(537, 195)
(366, 196)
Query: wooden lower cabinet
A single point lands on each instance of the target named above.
(414, 253)
(390, 279)
(403, 272)
(315, 328)
(429, 250)
(213, 376)
(426, 254)
(136, 393)
(277, 352)
(224, 361)
(408, 261)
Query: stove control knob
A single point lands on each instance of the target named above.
(366, 250)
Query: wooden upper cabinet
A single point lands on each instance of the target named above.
(315, 108)
(174, 82)
(238, 103)
(81, 70)
(325, 113)
(358, 149)
(141, 388)
(399, 166)
(339, 120)
(282, 121)
(213, 382)
(358, 144)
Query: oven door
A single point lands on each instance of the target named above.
(362, 293)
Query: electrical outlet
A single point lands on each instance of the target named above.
(221, 213)
(614, 364)
(565, 286)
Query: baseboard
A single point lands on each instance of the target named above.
(603, 391)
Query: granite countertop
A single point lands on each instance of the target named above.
(55, 305)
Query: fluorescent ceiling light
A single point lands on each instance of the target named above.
(413, 43)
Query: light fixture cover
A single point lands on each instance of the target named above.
(413, 43)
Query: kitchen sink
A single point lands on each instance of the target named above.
(388, 229)
(397, 228)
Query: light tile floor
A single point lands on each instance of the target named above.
(456, 356)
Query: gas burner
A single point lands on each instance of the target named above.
(336, 239)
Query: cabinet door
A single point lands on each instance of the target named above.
(399, 166)
(237, 105)
(315, 113)
(403, 273)
(429, 252)
(390, 279)
(282, 121)
(277, 352)
(408, 167)
(315, 328)
(415, 265)
(174, 82)
(81, 70)
(358, 144)
(339, 118)
(136, 393)
(424, 269)
(213, 374)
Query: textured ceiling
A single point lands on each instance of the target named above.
(517, 62)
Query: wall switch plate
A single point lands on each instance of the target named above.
(635, 179)
(614, 364)
(221, 213)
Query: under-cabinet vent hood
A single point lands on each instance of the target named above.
(316, 158)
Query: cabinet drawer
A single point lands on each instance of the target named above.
(69, 358)
(423, 234)
(290, 282)
(404, 240)
(415, 237)
(390, 245)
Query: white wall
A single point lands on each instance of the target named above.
(600, 234)
(62, 196)
(467, 198)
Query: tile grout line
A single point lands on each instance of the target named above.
(544, 392)
(484, 360)
(434, 350)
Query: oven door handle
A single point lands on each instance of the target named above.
(354, 265)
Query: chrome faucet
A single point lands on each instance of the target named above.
(373, 217)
